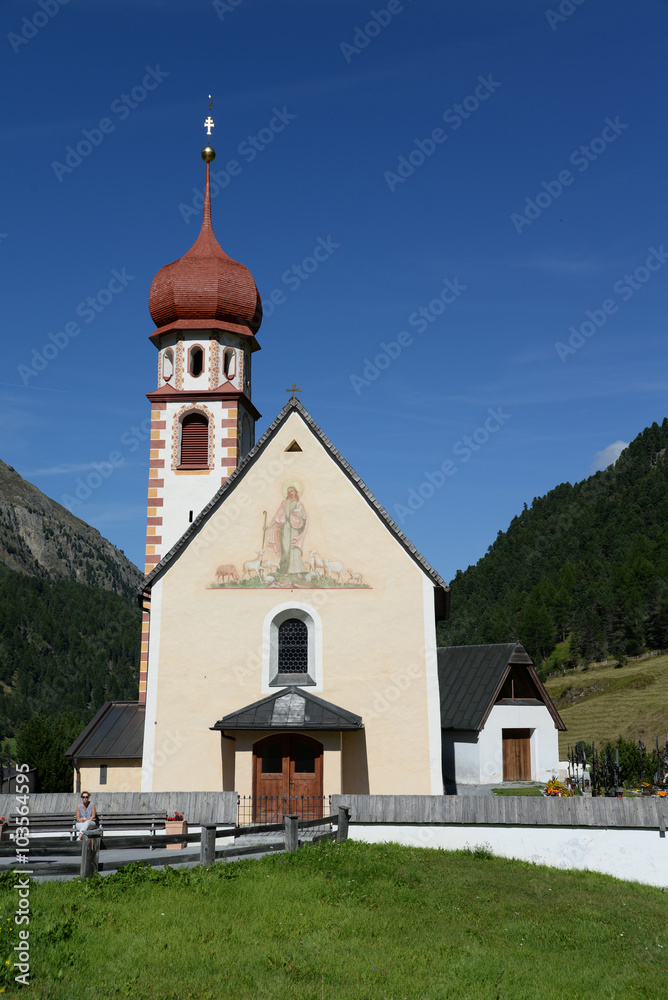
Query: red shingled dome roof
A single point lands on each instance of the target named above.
(205, 284)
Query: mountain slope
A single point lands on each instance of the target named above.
(587, 563)
(43, 539)
(64, 646)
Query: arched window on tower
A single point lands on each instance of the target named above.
(194, 442)
(229, 363)
(168, 364)
(196, 361)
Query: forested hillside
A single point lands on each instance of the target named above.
(64, 646)
(586, 566)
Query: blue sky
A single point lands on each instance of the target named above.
(488, 179)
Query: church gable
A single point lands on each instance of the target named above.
(295, 516)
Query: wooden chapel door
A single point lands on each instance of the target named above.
(287, 777)
(516, 754)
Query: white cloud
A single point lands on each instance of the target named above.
(64, 469)
(609, 455)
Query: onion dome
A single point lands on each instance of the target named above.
(205, 287)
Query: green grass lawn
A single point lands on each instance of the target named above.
(606, 702)
(353, 921)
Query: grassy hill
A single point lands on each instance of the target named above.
(602, 702)
(347, 922)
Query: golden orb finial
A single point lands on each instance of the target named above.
(208, 154)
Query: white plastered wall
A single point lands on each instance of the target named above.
(478, 757)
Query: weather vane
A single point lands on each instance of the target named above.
(209, 124)
(293, 390)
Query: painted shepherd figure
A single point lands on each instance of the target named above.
(287, 534)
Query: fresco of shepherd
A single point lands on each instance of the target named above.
(287, 533)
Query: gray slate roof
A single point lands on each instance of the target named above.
(291, 708)
(249, 461)
(470, 679)
(116, 731)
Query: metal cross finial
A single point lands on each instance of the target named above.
(208, 124)
(293, 390)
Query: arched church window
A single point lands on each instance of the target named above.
(194, 442)
(196, 361)
(230, 363)
(168, 364)
(293, 647)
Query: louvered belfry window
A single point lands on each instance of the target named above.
(293, 647)
(194, 442)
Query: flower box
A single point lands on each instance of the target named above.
(172, 827)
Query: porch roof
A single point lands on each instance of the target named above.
(291, 708)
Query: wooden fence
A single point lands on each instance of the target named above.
(197, 807)
(89, 847)
(648, 813)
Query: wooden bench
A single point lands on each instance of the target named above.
(65, 822)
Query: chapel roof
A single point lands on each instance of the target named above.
(205, 286)
(442, 592)
(470, 679)
(116, 731)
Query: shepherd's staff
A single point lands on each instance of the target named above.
(264, 527)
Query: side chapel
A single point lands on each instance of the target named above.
(289, 626)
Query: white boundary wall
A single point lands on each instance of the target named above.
(632, 855)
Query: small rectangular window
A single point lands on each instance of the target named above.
(272, 758)
(103, 774)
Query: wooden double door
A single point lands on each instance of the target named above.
(516, 754)
(287, 777)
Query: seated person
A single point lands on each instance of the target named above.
(86, 815)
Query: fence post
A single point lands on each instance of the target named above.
(207, 845)
(90, 852)
(291, 831)
(342, 828)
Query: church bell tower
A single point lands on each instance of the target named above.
(207, 312)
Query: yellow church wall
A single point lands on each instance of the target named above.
(122, 776)
(207, 660)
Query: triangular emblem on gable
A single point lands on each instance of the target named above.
(293, 446)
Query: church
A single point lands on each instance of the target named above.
(289, 626)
